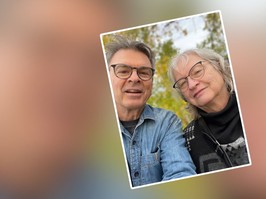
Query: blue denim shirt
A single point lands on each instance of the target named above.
(156, 151)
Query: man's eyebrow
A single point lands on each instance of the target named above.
(139, 65)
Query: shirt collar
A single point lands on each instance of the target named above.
(147, 113)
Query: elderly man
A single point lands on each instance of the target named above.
(152, 137)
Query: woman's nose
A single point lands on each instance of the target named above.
(192, 83)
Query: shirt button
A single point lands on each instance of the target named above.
(134, 142)
(136, 174)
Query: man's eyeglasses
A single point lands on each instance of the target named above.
(123, 71)
(196, 72)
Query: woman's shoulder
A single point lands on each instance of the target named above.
(189, 133)
(190, 127)
(193, 129)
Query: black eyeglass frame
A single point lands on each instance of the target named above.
(132, 68)
(199, 62)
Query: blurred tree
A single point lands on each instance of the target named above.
(163, 94)
(215, 39)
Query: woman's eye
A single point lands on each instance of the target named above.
(197, 72)
(182, 83)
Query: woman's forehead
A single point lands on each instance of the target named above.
(185, 62)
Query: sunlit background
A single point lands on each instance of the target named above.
(245, 29)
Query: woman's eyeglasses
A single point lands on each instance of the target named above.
(196, 72)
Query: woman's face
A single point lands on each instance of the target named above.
(209, 91)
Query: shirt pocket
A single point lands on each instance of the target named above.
(151, 159)
(151, 167)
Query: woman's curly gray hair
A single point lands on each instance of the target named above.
(216, 60)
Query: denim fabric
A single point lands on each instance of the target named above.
(156, 151)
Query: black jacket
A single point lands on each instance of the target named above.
(216, 141)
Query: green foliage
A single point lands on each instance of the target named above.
(163, 94)
(215, 38)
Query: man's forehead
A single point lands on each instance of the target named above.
(130, 57)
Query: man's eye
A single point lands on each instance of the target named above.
(144, 73)
(123, 71)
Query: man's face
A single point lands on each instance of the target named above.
(131, 93)
(46, 75)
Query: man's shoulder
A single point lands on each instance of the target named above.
(163, 116)
(164, 121)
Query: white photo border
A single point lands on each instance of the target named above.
(233, 76)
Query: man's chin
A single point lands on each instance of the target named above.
(134, 106)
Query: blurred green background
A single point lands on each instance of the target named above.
(245, 29)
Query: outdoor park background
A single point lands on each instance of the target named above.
(170, 38)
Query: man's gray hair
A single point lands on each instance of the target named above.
(121, 43)
(216, 60)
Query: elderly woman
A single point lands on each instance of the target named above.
(215, 137)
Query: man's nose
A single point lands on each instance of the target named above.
(134, 76)
(192, 83)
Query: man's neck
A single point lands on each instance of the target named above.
(129, 114)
